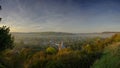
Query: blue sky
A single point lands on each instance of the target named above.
(77, 16)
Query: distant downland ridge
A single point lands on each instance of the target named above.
(110, 32)
(45, 33)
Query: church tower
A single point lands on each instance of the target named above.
(60, 46)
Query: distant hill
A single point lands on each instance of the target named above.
(44, 33)
(52, 33)
(60, 33)
(110, 32)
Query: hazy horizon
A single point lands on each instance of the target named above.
(73, 16)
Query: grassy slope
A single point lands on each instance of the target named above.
(110, 59)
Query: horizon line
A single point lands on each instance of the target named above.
(68, 32)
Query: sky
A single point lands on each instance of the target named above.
(74, 16)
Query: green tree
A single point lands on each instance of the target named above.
(6, 40)
(51, 50)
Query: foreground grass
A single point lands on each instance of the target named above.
(110, 59)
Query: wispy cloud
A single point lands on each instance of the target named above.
(61, 15)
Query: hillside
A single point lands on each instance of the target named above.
(110, 58)
(32, 51)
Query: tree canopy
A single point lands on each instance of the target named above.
(6, 40)
(51, 50)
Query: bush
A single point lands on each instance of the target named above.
(51, 50)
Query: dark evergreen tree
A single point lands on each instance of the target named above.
(6, 40)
